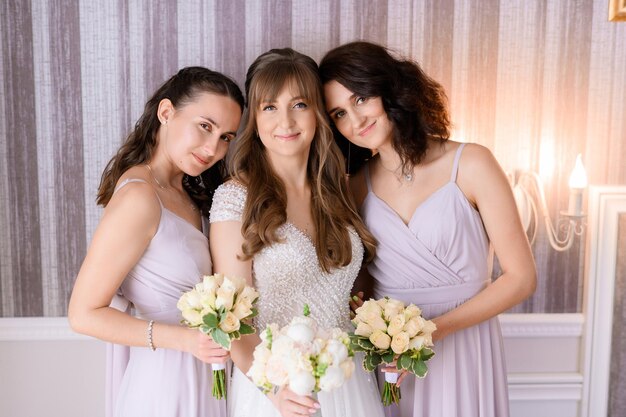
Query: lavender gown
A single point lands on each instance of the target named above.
(438, 261)
(163, 383)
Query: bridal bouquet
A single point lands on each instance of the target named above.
(386, 330)
(302, 356)
(218, 306)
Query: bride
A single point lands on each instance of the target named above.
(285, 223)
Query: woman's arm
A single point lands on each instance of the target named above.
(487, 188)
(129, 222)
(225, 241)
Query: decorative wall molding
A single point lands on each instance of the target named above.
(605, 205)
(541, 325)
(513, 326)
(37, 329)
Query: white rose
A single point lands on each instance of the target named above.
(332, 378)
(380, 339)
(337, 350)
(378, 323)
(257, 373)
(207, 300)
(249, 294)
(412, 311)
(400, 343)
(190, 299)
(395, 324)
(242, 308)
(276, 372)
(429, 327)
(413, 326)
(230, 323)
(368, 311)
(348, 368)
(193, 317)
(393, 308)
(301, 333)
(225, 294)
(363, 329)
(417, 342)
(302, 383)
(210, 283)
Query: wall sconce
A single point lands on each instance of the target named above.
(528, 193)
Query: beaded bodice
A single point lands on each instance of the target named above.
(287, 274)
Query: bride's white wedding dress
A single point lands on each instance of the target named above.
(287, 276)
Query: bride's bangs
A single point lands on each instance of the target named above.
(270, 83)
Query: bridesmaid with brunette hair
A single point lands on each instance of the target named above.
(435, 207)
(151, 246)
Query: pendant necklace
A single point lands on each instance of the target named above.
(192, 205)
(407, 177)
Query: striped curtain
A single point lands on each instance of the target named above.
(536, 81)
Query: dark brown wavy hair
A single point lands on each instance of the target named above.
(266, 205)
(141, 143)
(415, 103)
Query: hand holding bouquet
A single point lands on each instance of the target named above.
(386, 330)
(302, 356)
(218, 306)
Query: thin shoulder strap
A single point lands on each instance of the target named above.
(129, 180)
(455, 166)
(367, 177)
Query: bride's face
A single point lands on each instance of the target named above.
(286, 124)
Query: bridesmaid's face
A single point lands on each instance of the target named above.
(362, 120)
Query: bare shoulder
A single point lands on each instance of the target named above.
(479, 173)
(135, 202)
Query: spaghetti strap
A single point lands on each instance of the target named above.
(367, 177)
(129, 180)
(455, 166)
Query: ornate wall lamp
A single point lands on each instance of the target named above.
(531, 203)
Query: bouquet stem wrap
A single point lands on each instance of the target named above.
(391, 391)
(219, 380)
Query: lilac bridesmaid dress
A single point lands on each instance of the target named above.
(438, 261)
(165, 382)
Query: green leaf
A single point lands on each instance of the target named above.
(372, 360)
(419, 368)
(426, 354)
(367, 364)
(404, 362)
(306, 311)
(205, 329)
(221, 338)
(246, 329)
(210, 320)
(388, 357)
(365, 343)
(255, 313)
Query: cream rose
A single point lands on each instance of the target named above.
(400, 343)
(229, 323)
(368, 311)
(226, 293)
(395, 324)
(393, 308)
(412, 311)
(378, 323)
(380, 339)
(414, 326)
(417, 342)
(242, 308)
(363, 329)
(193, 317)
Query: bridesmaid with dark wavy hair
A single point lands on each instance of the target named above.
(435, 206)
(151, 246)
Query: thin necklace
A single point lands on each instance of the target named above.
(407, 177)
(192, 205)
(154, 178)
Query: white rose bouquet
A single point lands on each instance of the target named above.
(302, 356)
(219, 306)
(386, 330)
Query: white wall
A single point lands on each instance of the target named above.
(46, 370)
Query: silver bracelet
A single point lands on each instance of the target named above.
(150, 343)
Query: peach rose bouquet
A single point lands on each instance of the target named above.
(220, 307)
(302, 356)
(387, 331)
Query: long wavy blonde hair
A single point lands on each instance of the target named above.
(333, 210)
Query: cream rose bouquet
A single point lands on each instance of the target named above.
(302, 356)
(219, 306)
(387, 331)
